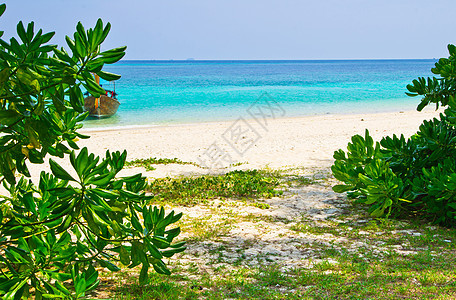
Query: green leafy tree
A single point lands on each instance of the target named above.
(414, 177)
(56, 233)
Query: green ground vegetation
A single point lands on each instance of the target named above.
(234, 184)
(148, 163)
(392, 259)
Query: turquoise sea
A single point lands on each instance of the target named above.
(164, 92)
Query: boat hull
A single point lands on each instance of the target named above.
(106, 107)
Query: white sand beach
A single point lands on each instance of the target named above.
(307, 142)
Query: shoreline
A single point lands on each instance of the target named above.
(303, 142)
(122, 119)
(94, 129)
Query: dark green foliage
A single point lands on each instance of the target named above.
(36, 82)
(75, 223)
(437, 90)
(414, 176)
(55, 234)
(189, 190)
(368, 176)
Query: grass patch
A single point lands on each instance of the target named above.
(249, 184)
(396, 278)
(299, 180)
(207, 227)
(148, 163)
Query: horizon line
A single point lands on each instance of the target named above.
(264, 60)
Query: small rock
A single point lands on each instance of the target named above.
(271, 250)
(332, 211)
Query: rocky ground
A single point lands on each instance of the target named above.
(233, 243)
(292, 230)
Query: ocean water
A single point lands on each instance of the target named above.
(166, 92)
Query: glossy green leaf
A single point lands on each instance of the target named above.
(21, 32)
(105, 193)
(112, 58)
(171, 252)
(161, 268)
(124, 256)
(77, 99)
(79, 44)
(9, 117)
(80, 287)
(60, 172)
(143, 276)
(108, 76)
(101, 180)
(17, 291)
(93, 87)
(2, 8)
(62, 288)
(107, 264)
(153, 250)
(136, 224)
(341, 188)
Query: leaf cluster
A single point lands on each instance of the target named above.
(437, 90)
(414, 177)
(76, 222)
(41, 99)
(55, 235)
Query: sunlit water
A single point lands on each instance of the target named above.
(164, 92)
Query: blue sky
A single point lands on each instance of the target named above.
(253, 29)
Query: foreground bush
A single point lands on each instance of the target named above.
(56, 233)
(414, 177)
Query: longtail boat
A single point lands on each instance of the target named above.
(102, 107)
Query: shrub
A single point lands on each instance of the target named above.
(413, 177)
(55, 234)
